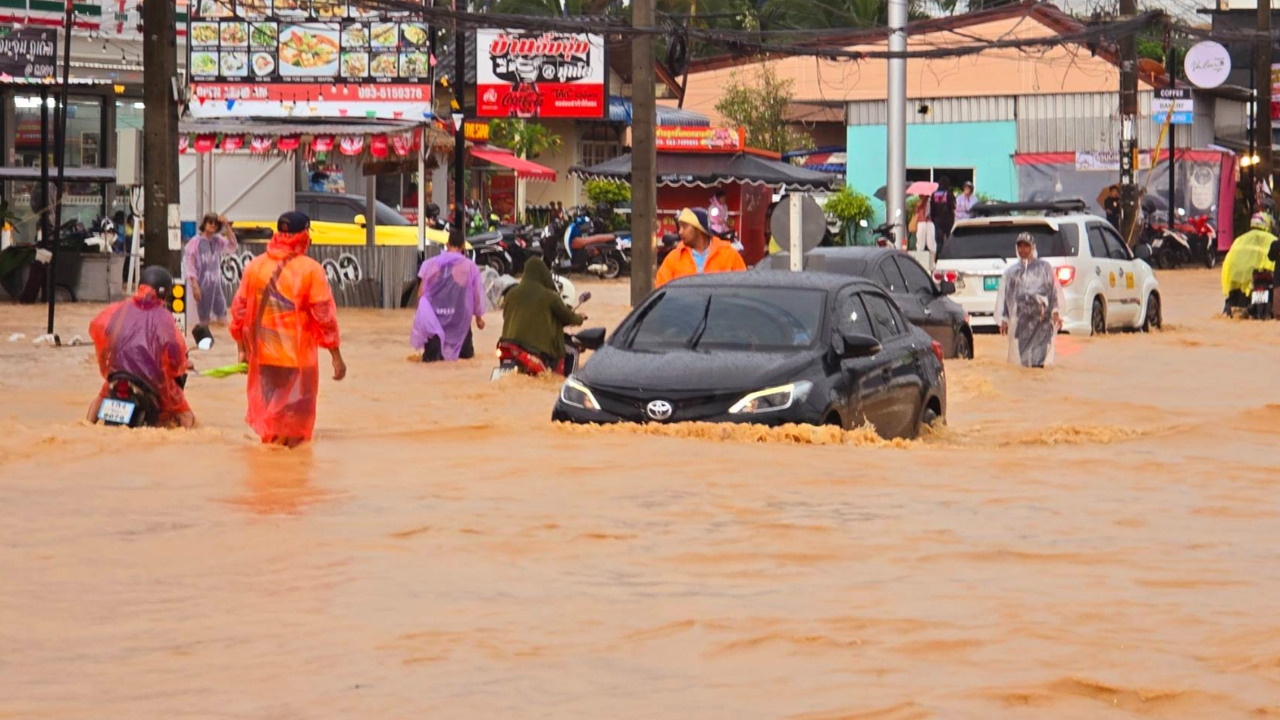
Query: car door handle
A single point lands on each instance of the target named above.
(1097, 270)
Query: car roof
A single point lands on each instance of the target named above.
(1053, 221)
(776, 279)
(326, 195)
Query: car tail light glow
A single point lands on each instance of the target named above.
(948, 276)
(1066, 274)
(937, 350)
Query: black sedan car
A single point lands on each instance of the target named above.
(767, 347)
(924, 302)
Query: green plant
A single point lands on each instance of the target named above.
(525, 139)
(608, 192)
(850, 207)
(760, 104)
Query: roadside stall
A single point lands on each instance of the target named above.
(303, 107)
(694, 163)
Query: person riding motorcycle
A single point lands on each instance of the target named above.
(534, 318)
(1248, 253)
(138, 336)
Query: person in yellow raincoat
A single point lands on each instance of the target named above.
(1249, 252)
(283, 312)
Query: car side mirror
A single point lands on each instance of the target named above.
(592, 339)
(1142, 252)
(360, 220)
(850, 346)
(946, 287)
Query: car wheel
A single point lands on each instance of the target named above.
(964, 347)
(928, 419)
(1098, 318)
(1155, 316)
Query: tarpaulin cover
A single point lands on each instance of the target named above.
(202, 262)
(707, 169)
(1204, 184)
(452, 294)
(138, 336)
(525, 170)
(282, 313)
(1248, 253)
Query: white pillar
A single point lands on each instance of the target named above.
(896, 182)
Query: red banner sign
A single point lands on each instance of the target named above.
(698, 139)
(550, 75)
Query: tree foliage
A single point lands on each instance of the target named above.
(759, 104)
(526, 139)
(608, 192)
(850, 207)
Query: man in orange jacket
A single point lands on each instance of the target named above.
(698, 253)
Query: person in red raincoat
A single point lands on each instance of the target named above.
(138, 336)
(282, 314)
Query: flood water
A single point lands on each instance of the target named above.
(1093, 540)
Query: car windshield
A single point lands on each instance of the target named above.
(727, 318)
(974, 242)
(387, 216)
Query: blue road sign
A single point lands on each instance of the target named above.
(1179, 118)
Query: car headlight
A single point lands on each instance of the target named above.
(772, 399)
(578, 395)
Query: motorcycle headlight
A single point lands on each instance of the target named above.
(578, 395)
(772, 399)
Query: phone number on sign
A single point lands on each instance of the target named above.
(390, 92)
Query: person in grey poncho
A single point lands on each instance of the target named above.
(1029, 306)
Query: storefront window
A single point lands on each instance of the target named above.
(83, 148)
(129, 114)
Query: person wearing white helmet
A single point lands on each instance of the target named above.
(1029, 306)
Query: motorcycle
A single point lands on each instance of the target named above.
(132, 402)
(607, 255)
(488, 250)
(668, 243)
(1260, 306)
(514, 358)
(1200, 232)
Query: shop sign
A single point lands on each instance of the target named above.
(300, 59)
(699, 139)
(1106, 161)
(1207, 64)
(540, 75)
(476, 131)
(28, 53)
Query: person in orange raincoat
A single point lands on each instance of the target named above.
(698, 252)
(138, 336)
(282, 314)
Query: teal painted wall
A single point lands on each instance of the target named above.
(987, 147)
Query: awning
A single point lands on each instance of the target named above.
(525, 170)
(827, 162)
(620, 112)
(706, 170)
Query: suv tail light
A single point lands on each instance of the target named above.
(948, 276)
(937, 350)
(1066, 274)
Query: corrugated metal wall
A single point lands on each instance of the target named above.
(1046, 123)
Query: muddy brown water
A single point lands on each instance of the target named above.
(1094, 540)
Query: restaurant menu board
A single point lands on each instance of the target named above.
(307, 58)
(529, 74)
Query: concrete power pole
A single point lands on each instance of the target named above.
(644, 158)
(1262, 63)
(896, 118)
(1128, 125)
(160, 129)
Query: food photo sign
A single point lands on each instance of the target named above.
(535, 74)
(306, 59)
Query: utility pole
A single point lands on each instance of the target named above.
(896, 180)
(459, 137)
(1262, 61)
(60, 148)
(1171, 64)
(160, 130)
(1128, 125)
(644, 154)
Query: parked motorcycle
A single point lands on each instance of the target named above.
(488, 250)
(1202, 237)
(514, 358)
(607, 255)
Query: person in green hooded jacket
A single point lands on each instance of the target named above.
(534, 316)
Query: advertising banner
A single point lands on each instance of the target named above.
(540, 75)
(306, 59)
(699, 139)
(27, 53)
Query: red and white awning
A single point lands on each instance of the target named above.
(525, 170)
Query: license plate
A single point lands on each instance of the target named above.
(116, 412)
(991, 284)
(498, 372)
(1259, 297)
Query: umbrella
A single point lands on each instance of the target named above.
(922, 187)
(1102, 196)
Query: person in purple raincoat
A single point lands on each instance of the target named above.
(451, 294)
(202, 267)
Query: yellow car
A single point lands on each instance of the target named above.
(339, 220)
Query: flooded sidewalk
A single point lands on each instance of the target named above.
(1094, 539)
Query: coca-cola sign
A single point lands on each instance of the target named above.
(527, 75)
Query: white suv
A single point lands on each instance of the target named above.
(1106, 287)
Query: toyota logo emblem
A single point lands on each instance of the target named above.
(659, 410)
